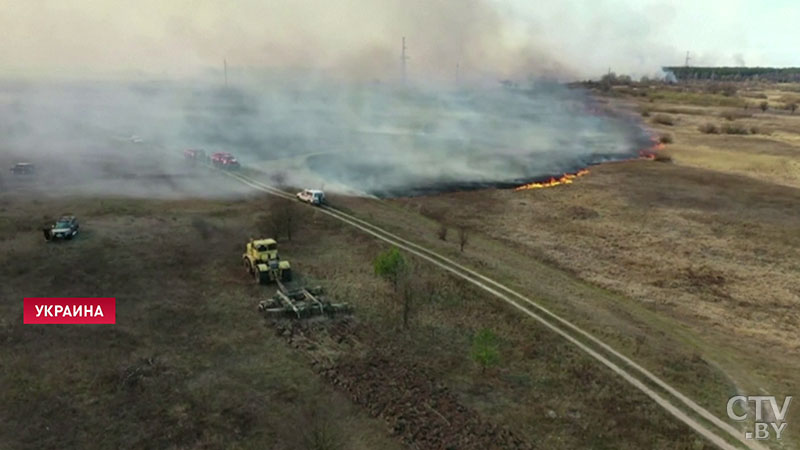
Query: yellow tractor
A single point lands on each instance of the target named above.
(262, 262)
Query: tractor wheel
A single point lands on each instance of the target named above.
(247, 266)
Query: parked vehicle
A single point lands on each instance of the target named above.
(224, 160)
(65, 228)
(312, 196)
(23, 168)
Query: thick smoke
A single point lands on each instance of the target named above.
(315, 92)
(372, 138)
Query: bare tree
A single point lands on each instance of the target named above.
(279, 178)
(462, 238)
(764, 106)
(407, 291)
(274, 224)
(288, 218)
(319, 431)
(441, 233)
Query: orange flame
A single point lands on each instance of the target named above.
(650, 153)
(553, 181)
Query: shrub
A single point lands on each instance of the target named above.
(764, 106)
(708, 128)
(663, 119)
(665, 139)
(728, 90)
(645, 113)
(733, 115)
(730, 128)
(663, 157)
(754, 130)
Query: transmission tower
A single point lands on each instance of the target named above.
(403, 59)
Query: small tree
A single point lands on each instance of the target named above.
(764, 106)
(792, 107)
(269, 224)
(462, 238)
(485, 349)
(390, 266)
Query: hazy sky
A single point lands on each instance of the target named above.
(568, 38)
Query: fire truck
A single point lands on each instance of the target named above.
(224, 160)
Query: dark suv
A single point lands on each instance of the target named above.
(65, 228)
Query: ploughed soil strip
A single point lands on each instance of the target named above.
(379, 377)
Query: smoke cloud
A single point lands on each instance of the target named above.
(366, 138)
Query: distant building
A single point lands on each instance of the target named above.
(774, 74)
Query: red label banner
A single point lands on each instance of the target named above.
(69, 310)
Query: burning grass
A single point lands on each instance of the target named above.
(567, 178)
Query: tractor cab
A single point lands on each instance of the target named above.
(263, 249)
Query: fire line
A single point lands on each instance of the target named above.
(568, 178)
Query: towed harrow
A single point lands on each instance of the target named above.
(300, 303)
